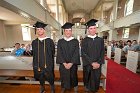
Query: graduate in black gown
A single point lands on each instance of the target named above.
(43, 57)
(92, 50)
(69, 58)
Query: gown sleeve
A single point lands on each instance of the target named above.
(86, 59)
(76, 55)
(59, 58)
(101, 59)
(35, 63)
(52, 50)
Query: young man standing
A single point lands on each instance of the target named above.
(92, 50)
(68, 57)
(43, 57)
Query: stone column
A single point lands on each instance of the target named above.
(112, 35)
(139, 35)
(115, 8)
(57, 12)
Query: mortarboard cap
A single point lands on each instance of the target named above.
(91, 22)
(39, 25)
(67, 25)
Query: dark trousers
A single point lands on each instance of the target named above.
(45, 76)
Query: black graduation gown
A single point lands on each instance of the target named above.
(46, 56)
(92, 50)
(68, 51)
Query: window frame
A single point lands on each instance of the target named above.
(26, 33)
(126, 12)
(126, 33)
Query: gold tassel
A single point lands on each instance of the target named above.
(45, 53)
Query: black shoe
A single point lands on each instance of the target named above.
(86, 89)
(76, 89)
(63, 90)
(52, 89)
(42, 89)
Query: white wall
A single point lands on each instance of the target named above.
(9, 36)
(14, 35)
(3, 41)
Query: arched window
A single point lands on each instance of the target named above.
(128, 7)
(26, 34)
(125, 33)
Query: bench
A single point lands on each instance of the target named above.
(29, 73)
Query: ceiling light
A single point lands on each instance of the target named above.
(82, 20)
(24, 15)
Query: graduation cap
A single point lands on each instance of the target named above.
(91, 22)
(67, 25)
(39, 25)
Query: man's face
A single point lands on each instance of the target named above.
(40, 31)
(129, 43)
(17, 46)
(68, 32)
(92, 30)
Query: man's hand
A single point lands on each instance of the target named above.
(68, 65)
(95, 65)
(65, 65)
